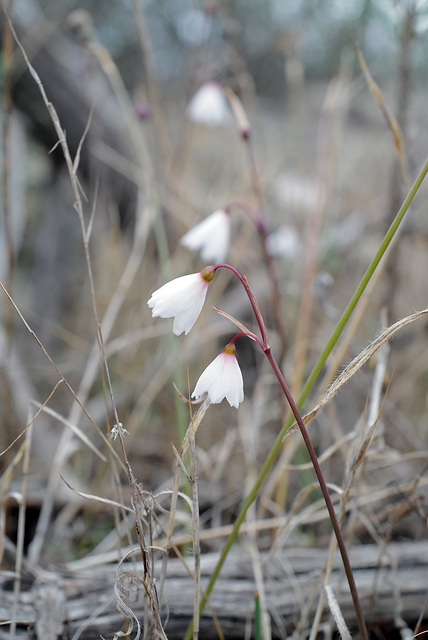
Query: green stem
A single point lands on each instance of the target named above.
(271, 457)
(361, 287)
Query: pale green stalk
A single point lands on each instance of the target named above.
(361, 287)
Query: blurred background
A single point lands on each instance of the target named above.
(322, 165)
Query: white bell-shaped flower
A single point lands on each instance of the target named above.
(222, 379)
(211, 237)
(209, 106)
(182, 299)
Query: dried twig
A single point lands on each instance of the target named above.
(359, 362)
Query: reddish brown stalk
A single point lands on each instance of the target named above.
(252, 299)
(264, 344)
(326, 496)
(260, 225)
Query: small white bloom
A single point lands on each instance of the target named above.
(209, 106)
(284, 243)
(222, 379)
(182, 299)
(211, 237)
(115, 431)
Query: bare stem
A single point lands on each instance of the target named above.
(252, 299)
(325, 493)
(260, 224)
(264, 344)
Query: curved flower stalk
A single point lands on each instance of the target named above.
(182, 299)
(263, 343)
(210, 237)
(222, 379)
(258, 219)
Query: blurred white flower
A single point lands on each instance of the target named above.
(294, 192)
(211, 237)
(209, 106)
(222, 379)
(285, 243)
(182, 299)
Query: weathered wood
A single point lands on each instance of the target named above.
(392, 586)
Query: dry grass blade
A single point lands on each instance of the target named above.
(359, 362)
(336, 613)
(21, 530)
(41, 408)
(122, 594)
(325, 455)
(324, 158)
(195, 537)
(353, 461)
(130, 272)
(390, 120)
(339, 355)
(193, 504)
(62, 378)
(82, 139)
(420, 620)
(238, 111)
(143, 503)
(193, 427)
(77, 432)
(89, 496)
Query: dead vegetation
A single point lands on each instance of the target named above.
(118, 495)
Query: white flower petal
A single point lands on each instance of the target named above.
(233, 382)
(181, 299)
(211, 237)
(209, 106)
(221, 379)
(208, 376)
(185, 320)
(216, 390)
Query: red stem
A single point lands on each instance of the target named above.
(326, 495)
(316, 465)
(252, 299)
(259, 222)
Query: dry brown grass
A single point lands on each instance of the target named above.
(82, 490)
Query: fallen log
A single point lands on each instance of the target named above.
(392, 585)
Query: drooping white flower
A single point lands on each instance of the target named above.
(209, 106)
(211, 237)
(182, 299)
(222, 379)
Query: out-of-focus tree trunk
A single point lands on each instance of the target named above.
(79, 91)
